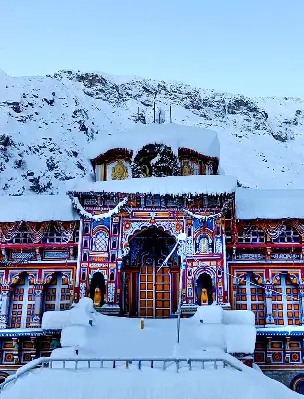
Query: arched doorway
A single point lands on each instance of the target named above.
(204, 281)
(97, 289)
(151, 290)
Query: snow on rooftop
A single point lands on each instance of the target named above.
(269, 203)
(204, 141)
(174, 185)
(36, 208)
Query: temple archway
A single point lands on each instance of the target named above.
(97, 289)
(150, 289)
(204, 282)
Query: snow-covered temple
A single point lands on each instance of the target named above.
(114, 238)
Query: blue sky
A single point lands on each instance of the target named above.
(253, 47)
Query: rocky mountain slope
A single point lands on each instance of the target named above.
(48, 125)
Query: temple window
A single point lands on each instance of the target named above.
(23, 236)
(190, 168)
(288, 235)
(100, 242)
(251, 235)
(76, 235)
(115, 229)
(209, 168)
(52, 236)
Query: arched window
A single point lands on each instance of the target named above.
(203, 245)
(100, 242)
(251, 235)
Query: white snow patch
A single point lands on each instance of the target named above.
(174, 185)
(36, 208)
(204, 141)
(269, 203)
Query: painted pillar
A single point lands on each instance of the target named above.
(268, 303)
(80, 288)
(268, 350)
(287, 350)
(36, 320)
(16, 350)
(118, 283)
(6, 291)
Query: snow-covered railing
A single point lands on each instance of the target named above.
(138, 363)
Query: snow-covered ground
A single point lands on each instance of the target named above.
(147, 384)
(202, 337)
(47, 124)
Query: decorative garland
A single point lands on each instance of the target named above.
(275, 231)
(155, 160)
(9, 230)
(37, 235)
(87, 215)
(66, 234)
(204, 218)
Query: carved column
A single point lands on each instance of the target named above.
(38, 293)
(268, 303)
(6, 291)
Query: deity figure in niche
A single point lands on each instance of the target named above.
(204, 297)
(120, 171)
(186, 169)
(97, 296)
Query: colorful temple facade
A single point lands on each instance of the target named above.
(116, 239)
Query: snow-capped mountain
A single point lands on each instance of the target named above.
(48, 125)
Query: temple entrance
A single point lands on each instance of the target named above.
(151, 290)
(97, 289)
(154, 291)
(204, 289)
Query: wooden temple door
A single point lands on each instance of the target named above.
(154, 291)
